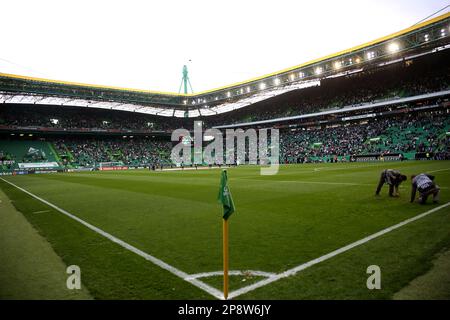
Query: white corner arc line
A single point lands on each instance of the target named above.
(183, 275)
(334, 253)
(232, 273)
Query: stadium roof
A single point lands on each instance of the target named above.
(421, 38)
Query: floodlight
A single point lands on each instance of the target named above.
(276, 81)
(262, 86)
(393, 47)
(318, 70)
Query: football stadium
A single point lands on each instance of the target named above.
(108, 193)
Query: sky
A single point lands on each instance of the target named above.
(144, 44)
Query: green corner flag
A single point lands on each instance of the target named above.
(224, 196)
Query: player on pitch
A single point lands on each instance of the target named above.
(393, 178)
(424, 183)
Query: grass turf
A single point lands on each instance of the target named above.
(281, 221)
(29, 268)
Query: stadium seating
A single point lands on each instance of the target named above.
(407, 134)
(89, 152)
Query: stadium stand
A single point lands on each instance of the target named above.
(388, 106)
(407, 134)
(409, 78)
(89, 152)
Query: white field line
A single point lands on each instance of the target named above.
(310, 182)
(42, 211)
(232, 273)
(212, 291)
(190, 168)
(438, 170)
(332, 254)
(321, 182)
(348, 168)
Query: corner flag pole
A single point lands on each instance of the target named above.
(225, 258)
(226, 200)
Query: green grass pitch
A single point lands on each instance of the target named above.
(281, 221)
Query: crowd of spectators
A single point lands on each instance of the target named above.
(90, 152)
(82, 118)
(425, 132)
(5, 156)
(420, 133)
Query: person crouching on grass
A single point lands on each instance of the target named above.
(424, 183)
(393, 178)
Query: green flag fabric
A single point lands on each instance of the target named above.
(224, 196)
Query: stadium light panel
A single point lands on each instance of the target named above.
(370, 55)
(301, 75)
(276, 81)
(228, 94)
(248, 89)
(393, 47)
(337, 65)
(318, 70)
(262, 86)
(358, 60)
(292, 77)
